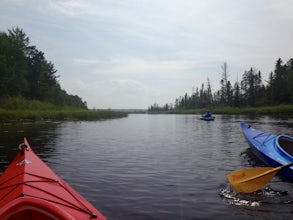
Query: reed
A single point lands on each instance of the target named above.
(59, 115)
(264, 110)
(267, 110)
(20, 109)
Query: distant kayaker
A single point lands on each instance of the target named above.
(207, 114)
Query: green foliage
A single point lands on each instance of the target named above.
(250, 92)
(29, 89)
(20, 103)
(59, 115)
(12, 68)
(25, 72)
(19, 109)
(282, 110)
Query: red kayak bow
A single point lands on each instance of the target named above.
(30, 190)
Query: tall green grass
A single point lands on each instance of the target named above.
(279, 109)
(20, 103)
(267, 110)
(83, 115)
(18, 109)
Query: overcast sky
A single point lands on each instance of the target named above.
(133, 53)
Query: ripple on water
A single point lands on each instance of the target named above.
(265, 196)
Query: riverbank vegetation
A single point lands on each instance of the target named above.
(25, 72)
(250, 95)
(280, 110)
(58, 115)
(29, 87)
(20, 109)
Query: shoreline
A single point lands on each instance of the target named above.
(59, 115)
(264, 110)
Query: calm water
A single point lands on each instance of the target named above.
(157, 166)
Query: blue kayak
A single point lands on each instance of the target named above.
(274, 150)
(210, 118)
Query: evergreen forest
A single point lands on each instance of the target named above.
(25, 73)
(251, 91)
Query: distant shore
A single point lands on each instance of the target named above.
(59, 115)
(101, 114)
(265, 110)
(21, 109)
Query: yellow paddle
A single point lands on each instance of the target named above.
(252, 179)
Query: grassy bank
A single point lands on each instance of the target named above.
(36, 115)
(19, 109)
(265, 110)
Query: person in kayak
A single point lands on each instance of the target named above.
(207, 114)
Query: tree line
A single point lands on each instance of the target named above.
(251, 91)
(25, 72)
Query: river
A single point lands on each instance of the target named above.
(146, 167)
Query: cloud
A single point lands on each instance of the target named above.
(84, 61)
(157, 50)
(136, 81)
(110, 93)
(140, 66)
(70, 8)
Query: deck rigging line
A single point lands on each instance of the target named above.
(82, 207)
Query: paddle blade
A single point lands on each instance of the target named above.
(251, 179)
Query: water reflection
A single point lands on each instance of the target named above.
(157, 166)
(41, 136)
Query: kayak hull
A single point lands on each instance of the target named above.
(30, 190)
(274, 150)
(212, 118)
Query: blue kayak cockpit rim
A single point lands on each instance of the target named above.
(284, 144)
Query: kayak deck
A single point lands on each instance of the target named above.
(30, 190)
(274, 150)
(39, 202)
(283, 143)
